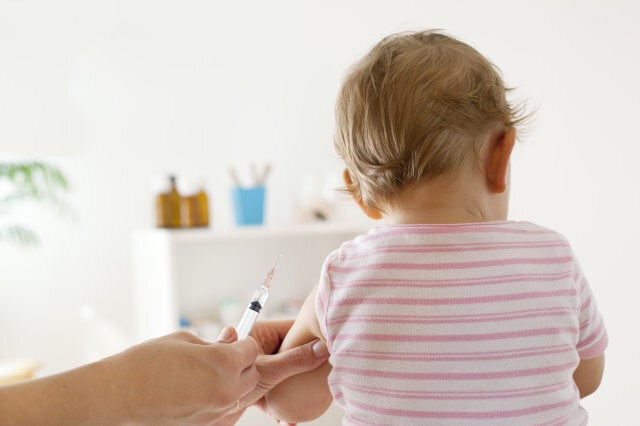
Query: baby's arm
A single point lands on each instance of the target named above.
(305, 396)
(588, 375)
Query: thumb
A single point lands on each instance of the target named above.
(227, 335)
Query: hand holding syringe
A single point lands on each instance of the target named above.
(255, 305)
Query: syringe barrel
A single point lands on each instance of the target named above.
(251, 313)
(246, 323)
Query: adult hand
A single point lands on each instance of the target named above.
(180, 379)
(273, 367)
(175, 379)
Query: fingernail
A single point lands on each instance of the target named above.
(320, 349)
(225, 334)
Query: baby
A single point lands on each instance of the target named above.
(449, 313)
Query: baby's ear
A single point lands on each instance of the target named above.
(371, 212)
(498, 160)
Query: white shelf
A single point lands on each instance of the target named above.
(255, 232)
(191, 272)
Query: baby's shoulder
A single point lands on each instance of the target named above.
(535, 228)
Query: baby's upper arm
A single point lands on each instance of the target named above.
(306, 327)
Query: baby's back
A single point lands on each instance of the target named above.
(457, 324)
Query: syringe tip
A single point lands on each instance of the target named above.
(267, 281)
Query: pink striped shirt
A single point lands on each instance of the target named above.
(463, 324)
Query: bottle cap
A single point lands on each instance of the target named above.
(160, 185)
(187, 187)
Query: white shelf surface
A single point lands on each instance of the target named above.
(256, 232)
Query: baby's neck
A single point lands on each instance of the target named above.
(443, 214)
(447, 201)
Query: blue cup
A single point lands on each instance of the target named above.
(248, 205)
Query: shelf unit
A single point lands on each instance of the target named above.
(191, 272)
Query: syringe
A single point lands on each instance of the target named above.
(257, 303)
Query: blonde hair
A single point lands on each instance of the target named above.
(415, 108)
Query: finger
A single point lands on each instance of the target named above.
(270, 334)
(296, 360)
(228, 335)
(248, 380)
(236, 356)
(279, 327)
(246, 351)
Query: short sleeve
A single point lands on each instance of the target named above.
(323, 296)
(593, 339)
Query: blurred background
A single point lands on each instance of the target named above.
(117, 94)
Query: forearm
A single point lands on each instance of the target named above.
(79, 396)
(301, 398)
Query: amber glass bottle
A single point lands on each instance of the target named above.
(202, 208)
(188, 203)
(168, 204)
(162, 188)
(162, 210)
(173, 204)
(194, 206)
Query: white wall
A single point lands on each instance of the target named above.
(116, 92)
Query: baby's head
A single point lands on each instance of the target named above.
(418, 106)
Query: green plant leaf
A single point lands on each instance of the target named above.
(19, 235)
(31, 181)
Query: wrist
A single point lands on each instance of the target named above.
(114, 396)
(97, 393)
